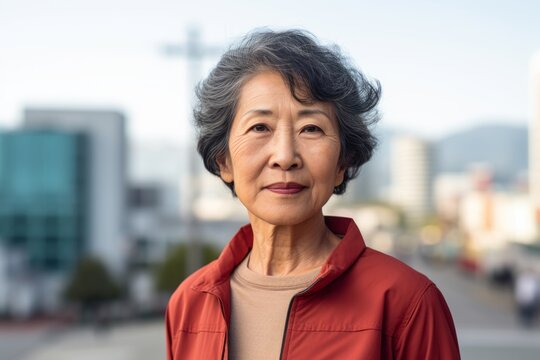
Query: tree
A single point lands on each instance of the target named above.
(172, 271)
(91, 284)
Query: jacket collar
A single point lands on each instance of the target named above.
(344, 255)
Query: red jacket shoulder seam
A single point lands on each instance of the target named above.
(411, 309)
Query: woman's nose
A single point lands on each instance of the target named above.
(284, 152)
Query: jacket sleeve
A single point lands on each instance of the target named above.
(168, 335)
(428, 330)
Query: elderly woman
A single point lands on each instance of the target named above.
(284, 121)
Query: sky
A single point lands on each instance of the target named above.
(443, 66)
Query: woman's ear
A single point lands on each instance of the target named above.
(225, 169)
(340, 176)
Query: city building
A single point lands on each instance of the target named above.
(492, 219)
(534, 135)
(44, 196)
(165, 166)
(105, 218)
(159, 165)
(411, 173)
(43, 213)
(367, 186)
(373, 181)
(492, 222)
(215, 201)
(449, 189)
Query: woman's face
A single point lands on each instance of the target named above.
(283, 155)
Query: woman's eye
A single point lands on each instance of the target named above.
(311, 129)
(259, 128)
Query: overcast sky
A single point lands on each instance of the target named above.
(442, 67)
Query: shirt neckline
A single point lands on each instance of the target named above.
(273, 282)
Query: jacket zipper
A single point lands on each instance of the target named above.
(286, 325)
(289, 313)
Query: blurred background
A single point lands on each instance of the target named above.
(105, 207)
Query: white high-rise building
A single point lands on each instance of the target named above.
(105, 130)
(534, 134)
(411, 173)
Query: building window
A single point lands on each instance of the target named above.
(51, 242)
(51, 224)
(17, 241)
(19, 222)
(51, 263)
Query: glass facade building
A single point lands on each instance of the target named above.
(44, 197)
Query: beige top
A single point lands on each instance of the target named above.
(259, 305)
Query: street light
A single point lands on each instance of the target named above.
(195, 52)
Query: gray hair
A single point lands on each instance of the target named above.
(312, 71)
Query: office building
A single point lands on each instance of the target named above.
(43, 215)
(106, 175)
(43, 192)
(411, 173)
(534, 135)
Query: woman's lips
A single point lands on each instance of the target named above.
(286, 188)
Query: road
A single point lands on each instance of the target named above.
(487, 329)
(484, 316)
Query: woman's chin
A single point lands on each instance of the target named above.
(282, 218)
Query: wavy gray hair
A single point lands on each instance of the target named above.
(313, 72)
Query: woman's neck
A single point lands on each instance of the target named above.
(290, 249)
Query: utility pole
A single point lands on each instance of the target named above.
(194, 52)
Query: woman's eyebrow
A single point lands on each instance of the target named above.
(263, 112)
(307, 112)
(303, 112)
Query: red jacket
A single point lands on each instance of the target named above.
(362, 305)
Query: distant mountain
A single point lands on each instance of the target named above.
(503, 147)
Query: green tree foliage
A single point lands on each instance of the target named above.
(172, 271)
(91, 284)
